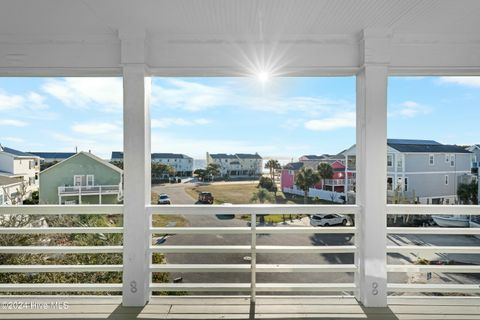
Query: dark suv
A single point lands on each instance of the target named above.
(205, 197)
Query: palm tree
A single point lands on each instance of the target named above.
(272, 165)
(306, 179)
(262, 195)
(325, 171)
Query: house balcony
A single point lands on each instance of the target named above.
(89, 190)
(339, 182)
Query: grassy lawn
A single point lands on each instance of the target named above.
(162, 221)
(226, 193)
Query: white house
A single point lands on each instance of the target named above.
(182, 164)
(423, 170)
(239, 165)
(14, 163)
(475, 149)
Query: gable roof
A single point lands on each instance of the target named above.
(222, 156)
(424, 146)
(311, 157)
(17, 153)
(92, 156)
(293, 166)
(248, 156)
(57, 155)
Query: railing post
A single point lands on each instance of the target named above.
(371, 278)
(253, 265)
(136, 135)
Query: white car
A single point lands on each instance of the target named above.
(164, 199)
(325, 220)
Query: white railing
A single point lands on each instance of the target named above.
(46, 210)
(253, 249)
(333, 196)
(426, 247)
(339, 182)
(86, 190)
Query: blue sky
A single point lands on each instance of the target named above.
(282, 118)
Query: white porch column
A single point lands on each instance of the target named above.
(372, 169)
(136, 118)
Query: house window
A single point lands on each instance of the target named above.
(31, 181)
(389, 160)
(405, 184)
(31, 164)
(36, 176)
(447, 158)
(77, 180)
(446, 180)
(452, 160)
(90, 180)
(431, 159)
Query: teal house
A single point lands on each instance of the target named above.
(81, 179)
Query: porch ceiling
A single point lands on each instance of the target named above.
(211, 37)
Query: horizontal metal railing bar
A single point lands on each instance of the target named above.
(61, 268)
(62, 209)
(65, 230)
(59, 287)
(60, 249)
(247, 268)
(463, 288)
(434, 249)
(409, 230)
(401, 209)
(434, 268)
(248, 230)
(251, 208)
(277, 287)
(247, 249)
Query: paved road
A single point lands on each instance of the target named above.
(178, 196)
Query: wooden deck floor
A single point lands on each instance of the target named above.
(239, 308)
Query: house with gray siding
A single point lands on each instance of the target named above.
(81, 179)
(182, 163)
(423, 171)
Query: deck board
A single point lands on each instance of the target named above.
(270, 307)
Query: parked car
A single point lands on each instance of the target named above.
(325, 220)
(205, 197)
(164, 199)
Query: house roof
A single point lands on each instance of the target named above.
(424, 146)
(119, 155)
(293, 166)
(17, 153)
(57, 155)
(248, 156)
(222, 156)
(6, 181)
(311, 157)
(92, 156)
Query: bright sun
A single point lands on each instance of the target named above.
(263, 76)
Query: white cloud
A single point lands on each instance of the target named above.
(13, 123)
(97, 128)
(168, 122)
(410, 109)
(87, 92)
(194, 97)
(471, 82)
(340, 120)
(29, 101)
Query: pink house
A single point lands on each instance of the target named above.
(289, 171)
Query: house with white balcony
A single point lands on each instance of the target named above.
(19, 164)
(239, 165)
(182, 163)
(81, 179)
(423, 171)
